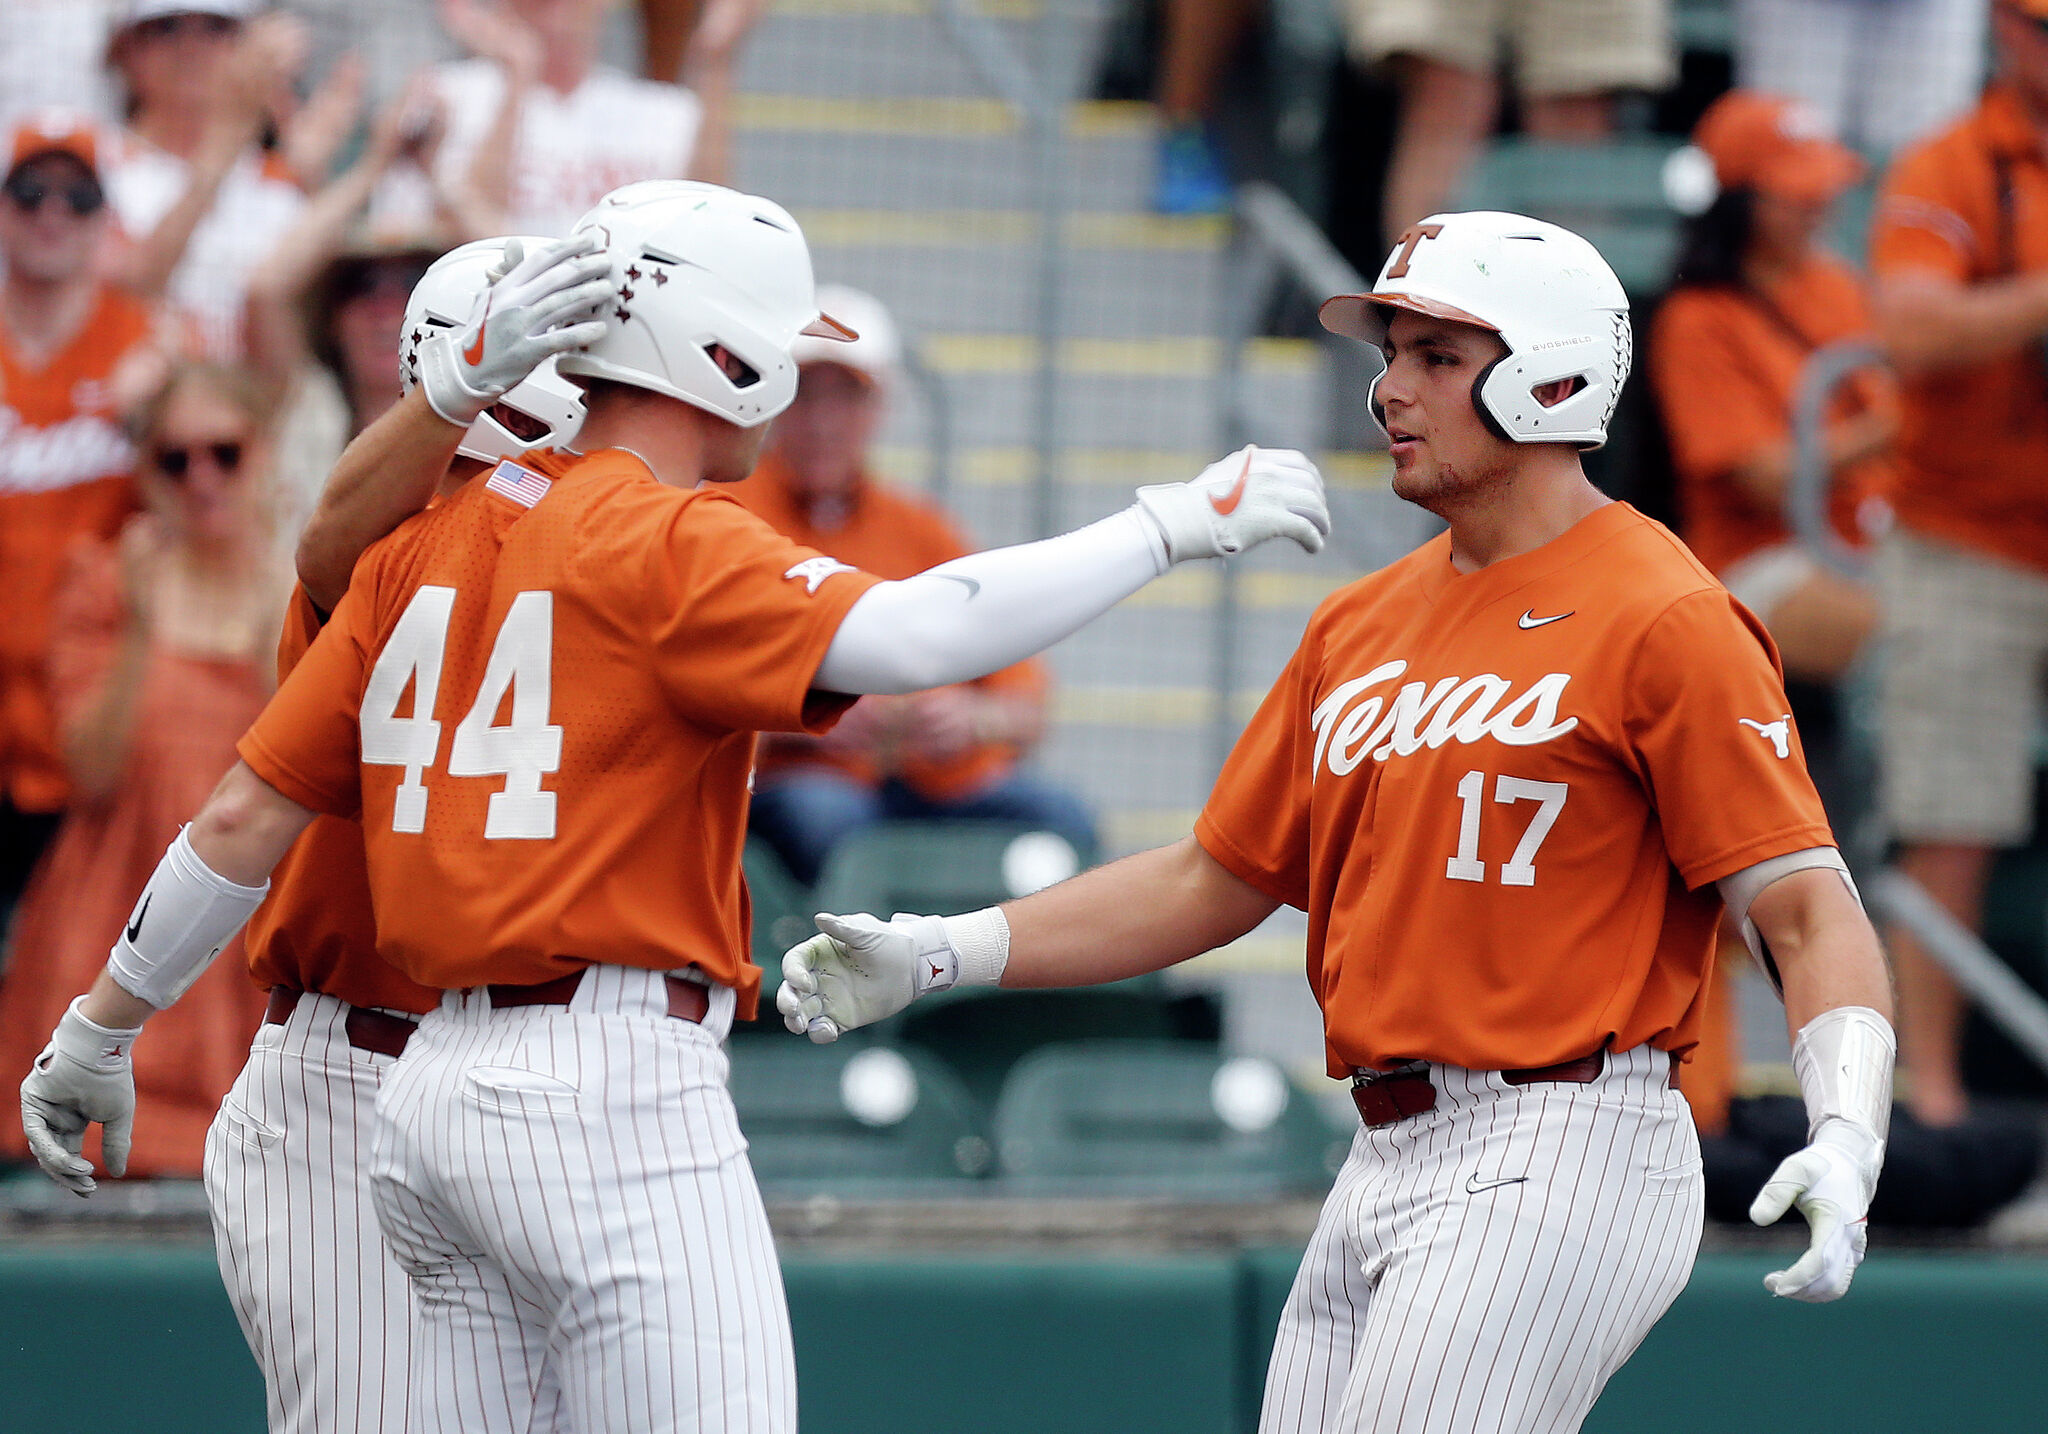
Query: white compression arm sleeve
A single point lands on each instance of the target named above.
(1740, 889)
(981, 613)
(186, 914)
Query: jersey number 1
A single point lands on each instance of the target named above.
(521, 751)
(1519, 869)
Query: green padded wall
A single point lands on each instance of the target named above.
(140, 1337)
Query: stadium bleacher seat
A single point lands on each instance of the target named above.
(1612, 193)
(942, 866)
(1132, 1117)
(854, 1116)
(782, 908)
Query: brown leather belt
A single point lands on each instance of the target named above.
(367, 1029)
(687, 1001)
(1383, 1097)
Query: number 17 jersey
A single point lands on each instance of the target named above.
(1502, 797)
(541, 697)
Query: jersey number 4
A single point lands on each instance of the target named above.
(1519, 869)
(521, 751)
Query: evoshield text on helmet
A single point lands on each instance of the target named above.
(550, 406)
(701, 268)
(1553, 300)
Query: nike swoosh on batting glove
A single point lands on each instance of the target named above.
(547, 303)
(1239, 501)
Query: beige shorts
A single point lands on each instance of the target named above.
(1965, 648)
(1560, 47)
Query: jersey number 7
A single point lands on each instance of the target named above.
(522, 751)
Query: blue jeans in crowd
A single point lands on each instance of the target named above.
(803, 814)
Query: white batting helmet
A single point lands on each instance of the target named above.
(1547, 292)
(700, 266)
(443, 299)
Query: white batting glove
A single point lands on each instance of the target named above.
(860, 971)
(83, 1076)
(1831, 1182)
(547, 303)
(1239, 502)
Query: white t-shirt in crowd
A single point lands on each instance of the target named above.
(571, 149)
(257, 202)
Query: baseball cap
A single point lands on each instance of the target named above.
(137, 11)
(71, 132)
(1777, 145)
(874, 350)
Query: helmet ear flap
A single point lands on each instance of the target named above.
(1486, 413)
(1377, 409)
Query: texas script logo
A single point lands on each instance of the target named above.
(1452, 709)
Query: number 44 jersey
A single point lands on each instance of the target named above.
(1503, 797)
(540, 697)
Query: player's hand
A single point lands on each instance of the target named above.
(1239, 502)
(547, 303)
(84, 1076)
(1831, 1182)
(860, 970)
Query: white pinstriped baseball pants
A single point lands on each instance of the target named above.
(325, 1309)
(1484, 1267)
(570, 1193)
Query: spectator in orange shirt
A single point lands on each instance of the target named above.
(1960, 255)
(1754, 298)
(949, 752)
(71, 349)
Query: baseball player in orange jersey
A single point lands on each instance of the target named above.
(556, 1163)
(1512, 779)
(326, 1310)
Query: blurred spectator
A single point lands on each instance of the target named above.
(951, 752)
(1570, 57)
(1201, 36)
(325, 306)
(52, 55)
(542, 131)
(1960, 255)
(71, 350)
(1882, 72)
(200, 200)
(1753, 299)
(161, 657)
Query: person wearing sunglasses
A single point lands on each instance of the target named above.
(1959, 255)
(71, 347)
(160, 656)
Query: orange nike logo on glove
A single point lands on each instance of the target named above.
(1226, 503)
(474, 354)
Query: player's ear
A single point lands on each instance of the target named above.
(1551, 394)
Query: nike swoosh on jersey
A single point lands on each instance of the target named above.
(1474, 1185)
(1226, 503)
(970, 584)
(1529, 619)
(135, 926)
(474, 354)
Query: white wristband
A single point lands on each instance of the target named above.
(186, 914)
(981, 940)
(1843, 1059)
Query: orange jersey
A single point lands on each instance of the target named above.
(66, 473)
(1502, 797)
(596, 651)
(894, 536)
(315, 931)
(1726, 364)
(1971, 205)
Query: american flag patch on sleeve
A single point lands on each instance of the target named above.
(522, 485)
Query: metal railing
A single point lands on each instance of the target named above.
(2006, 1000)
